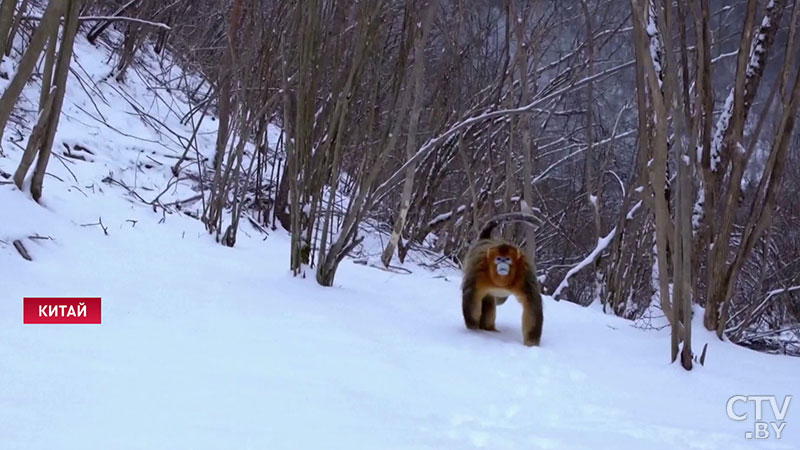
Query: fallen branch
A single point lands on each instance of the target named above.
(110, 180)
(99, 222)
(22, 251)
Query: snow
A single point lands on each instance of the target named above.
(445, 216)
(208, 347)
(757, 47)
(719, 131)
(656, 46)
(5, 68)
(633, 210)
(697, 210)
(203, 346)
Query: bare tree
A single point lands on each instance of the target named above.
(639, 133)
(420, 36)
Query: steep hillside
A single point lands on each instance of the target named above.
(203, 346)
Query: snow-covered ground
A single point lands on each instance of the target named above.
(207, 347)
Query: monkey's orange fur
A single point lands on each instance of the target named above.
(484, 288)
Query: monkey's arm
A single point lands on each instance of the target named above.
(468, 306)
(532, 315)
(470, 303)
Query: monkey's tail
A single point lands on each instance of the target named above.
(486, 231)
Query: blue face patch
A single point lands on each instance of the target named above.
(503, 265)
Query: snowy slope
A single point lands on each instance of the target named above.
(207, 347)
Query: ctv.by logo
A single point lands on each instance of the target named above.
(761, 428)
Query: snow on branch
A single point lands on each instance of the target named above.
(756, 311)
(126, 19)
(656, 46)
(566, 158)
(781, 291)
(433, 143)
(111, 19)
(444, 217)
(762, 40)
(602, 244)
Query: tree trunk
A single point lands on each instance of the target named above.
(23, 8)
(593, 193)
(525, 131)
(26, 65)
(6, 19)
(60, 88)
(727, 151)
(420, 35)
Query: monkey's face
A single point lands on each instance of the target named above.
(503, 262)
(502, 265)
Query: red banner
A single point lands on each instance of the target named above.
(61, 310)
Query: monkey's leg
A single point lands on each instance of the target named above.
(471, 307)
(532, 319)
(488, 313)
